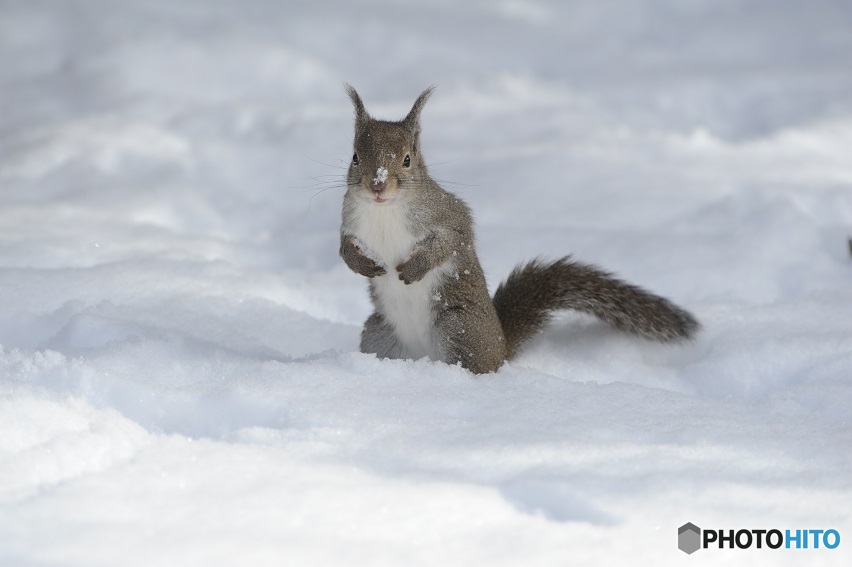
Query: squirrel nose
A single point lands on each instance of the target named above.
(378, 187)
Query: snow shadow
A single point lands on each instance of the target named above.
(556, 501)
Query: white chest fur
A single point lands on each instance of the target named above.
(385, 236)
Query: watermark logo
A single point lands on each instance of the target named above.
(691, 538)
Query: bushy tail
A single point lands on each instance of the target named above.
(525, 301)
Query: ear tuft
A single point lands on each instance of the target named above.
(360, 111)
(413, 118)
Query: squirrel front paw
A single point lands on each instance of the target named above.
(370, 269)
(413, 269)
(357, 261)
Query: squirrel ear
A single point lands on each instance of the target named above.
(413, 118)
(360, 111)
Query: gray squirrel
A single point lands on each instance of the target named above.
(415, 243)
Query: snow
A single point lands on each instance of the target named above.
(367, 252)
(179, 375)
(381, 175)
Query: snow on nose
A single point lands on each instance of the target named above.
(381, 175)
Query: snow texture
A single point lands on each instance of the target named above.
(381, 175)
(368, 252)
(179, 375)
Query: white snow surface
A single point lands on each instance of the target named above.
(179, 375)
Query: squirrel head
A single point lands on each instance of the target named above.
(387, 162)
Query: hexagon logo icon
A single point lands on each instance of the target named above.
(689, 538)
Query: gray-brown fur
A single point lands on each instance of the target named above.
(355, 259)
(415, 242)
(528, 297)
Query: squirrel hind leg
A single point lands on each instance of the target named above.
(379, 338)
(477, 343)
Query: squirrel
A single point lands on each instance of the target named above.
(415, 242)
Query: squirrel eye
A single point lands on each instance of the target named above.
(355, 159)
(407, 161)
